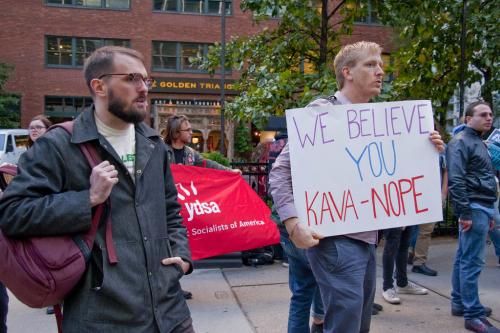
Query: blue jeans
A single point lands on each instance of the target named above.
(4, 302)
(345, 271)
(495, 233)
(469, 262)
(396, 246)
(305, 291)
(414, 236)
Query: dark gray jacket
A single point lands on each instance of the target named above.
(192, 157)
(50, 196)
(470, 173)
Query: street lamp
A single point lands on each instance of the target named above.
(462, 57)
(222, 75)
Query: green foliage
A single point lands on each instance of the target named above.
(243, 141)
(217, 157)
(9, 103)
(271, 62)
(428, 61)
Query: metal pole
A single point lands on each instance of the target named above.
(462, 58)
(222, 75)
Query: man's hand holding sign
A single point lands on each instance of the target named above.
(355, 168)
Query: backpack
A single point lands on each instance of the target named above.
(260, 256)
(42, 271)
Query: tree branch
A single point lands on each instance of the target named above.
(339, 23)
(446, 72)
(341, 3)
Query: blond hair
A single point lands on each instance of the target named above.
(349, 55)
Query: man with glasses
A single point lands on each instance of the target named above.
(473, 192)
(178, 135)
(343, 266)
(57, 190)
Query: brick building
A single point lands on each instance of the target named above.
(47, 41)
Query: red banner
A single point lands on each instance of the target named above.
(221, 212)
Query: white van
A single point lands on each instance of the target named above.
(13, 142)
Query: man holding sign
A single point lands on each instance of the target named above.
(344, 266)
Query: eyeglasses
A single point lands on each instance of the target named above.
(187, 130)
(36, 128)
(136, 78)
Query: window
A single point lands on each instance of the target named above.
(66, 106)
(101, 4)
(192, 6)
(10, 146)
(21, 141)
(211, 7)
(369, 15)
(215, 7)
(174, 56)
(165, 55)
(72, 51)
(190, 50)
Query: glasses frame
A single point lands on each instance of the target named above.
(132, 77)
(36, 128)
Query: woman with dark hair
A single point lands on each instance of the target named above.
(37, 127)
(6, 175)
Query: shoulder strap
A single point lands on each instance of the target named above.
(93, 158)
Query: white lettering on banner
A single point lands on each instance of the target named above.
(201, 208)
(209, 230)
(362, 167)
(251, 223)
(197, 207)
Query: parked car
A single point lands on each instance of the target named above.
(13, 142)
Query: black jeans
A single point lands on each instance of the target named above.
(397, 242)
(4, 302)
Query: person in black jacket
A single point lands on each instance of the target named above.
(55, 190)
(4, 297)
(473, 192)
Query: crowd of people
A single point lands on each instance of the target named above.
(56, 190)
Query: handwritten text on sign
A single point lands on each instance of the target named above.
(364, 167)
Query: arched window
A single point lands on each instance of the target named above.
(213, 142)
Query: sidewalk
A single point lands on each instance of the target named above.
(252, 299)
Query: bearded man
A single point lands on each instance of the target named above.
(56, 190)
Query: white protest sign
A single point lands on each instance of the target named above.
(362, 167)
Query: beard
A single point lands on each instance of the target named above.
(118, 108)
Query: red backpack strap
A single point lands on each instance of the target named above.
(204, 163)
(59, 317)
(93, 158)
(9, 169)
(6, 169)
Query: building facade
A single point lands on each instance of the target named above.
(48, 40)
